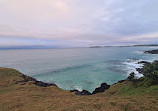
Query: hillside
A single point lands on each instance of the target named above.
(125, 95)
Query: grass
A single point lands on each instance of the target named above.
(29, 97)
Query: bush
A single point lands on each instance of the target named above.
(150, 72)
(131, 76)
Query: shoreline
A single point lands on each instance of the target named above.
(102, 88)
(26, 78)
(19, 92)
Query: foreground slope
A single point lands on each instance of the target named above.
(122, 96)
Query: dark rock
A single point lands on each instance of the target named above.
(73, 90)
(102, 88)
(42, 84)
(37, 83)
(140, 70)
(143, 62)
(121, 81)
(78, 93)
(84, 92)
(152, 51)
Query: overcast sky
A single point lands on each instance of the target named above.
(73, 23)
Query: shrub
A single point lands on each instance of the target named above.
(131, 76)
(150, 72)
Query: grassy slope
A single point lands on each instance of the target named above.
(28, 97)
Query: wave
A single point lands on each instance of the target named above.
(132, 64)
(79, 88)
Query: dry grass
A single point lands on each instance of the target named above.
(28, 97)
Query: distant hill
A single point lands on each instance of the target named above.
(96, 47)
(146, 45)
(141, 45)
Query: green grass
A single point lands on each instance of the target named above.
(132, 90)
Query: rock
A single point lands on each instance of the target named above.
(84, 92)
(152, 51)
(42, 84)
(140, 70)
(73, 90)
(143, 62)
(37, 83)
(121, 81)
(102, 88)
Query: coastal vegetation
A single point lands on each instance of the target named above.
(23, 93)
(150, 75)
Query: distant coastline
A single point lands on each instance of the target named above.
(142, 45)
(61, 47)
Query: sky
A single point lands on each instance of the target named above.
(78, 23)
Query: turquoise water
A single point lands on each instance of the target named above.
(77, 68)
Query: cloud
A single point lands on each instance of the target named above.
(79, 22)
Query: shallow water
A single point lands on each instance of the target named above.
(77, 68)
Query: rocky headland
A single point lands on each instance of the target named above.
(100, 89)
(152, 51)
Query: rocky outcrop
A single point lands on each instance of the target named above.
(37, 83)
(143, 62)
(26, 79)
(152, 51)
(42, 84)
(101, 89)
(140, 70)
(84, 92)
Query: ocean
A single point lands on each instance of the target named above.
(77, 68)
